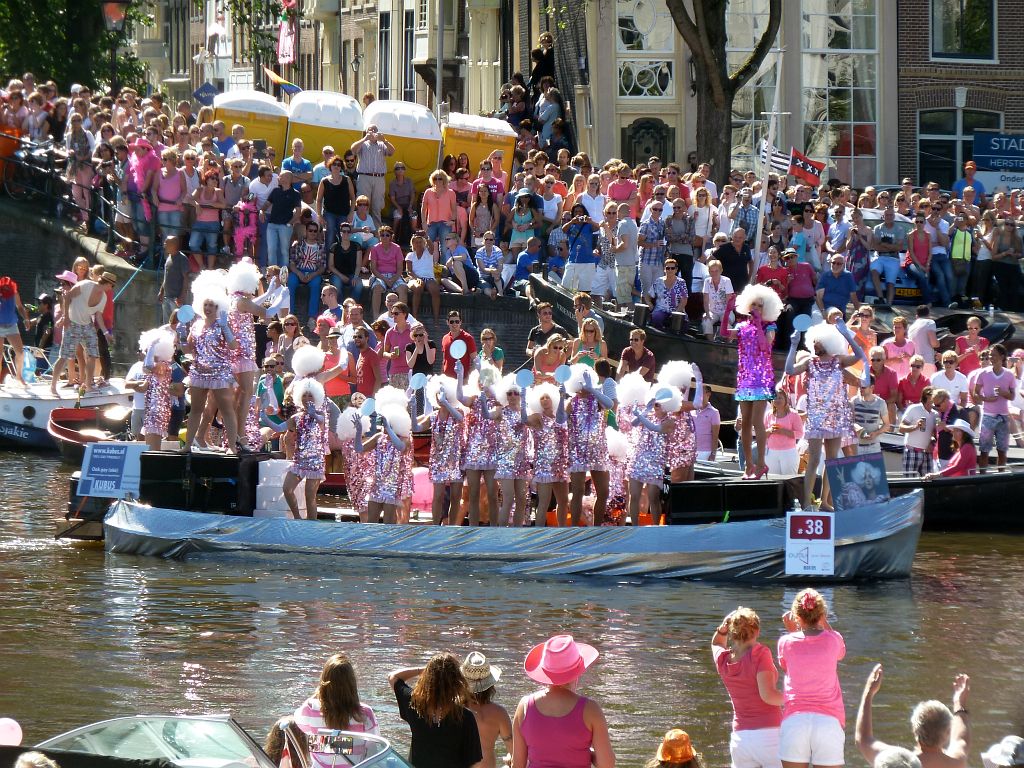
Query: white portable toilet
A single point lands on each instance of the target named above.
(263, 116)
(320, 118)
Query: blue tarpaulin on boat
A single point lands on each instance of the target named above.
(875, 541)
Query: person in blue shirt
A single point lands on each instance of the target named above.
(836, 287)
(460, 266)
(581, 262)
(300, 168)
(969, 180)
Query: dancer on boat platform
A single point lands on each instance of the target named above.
(158, 347)
(592, 395)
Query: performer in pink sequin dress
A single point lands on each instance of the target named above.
(446, 447)
(515, 448)
(551, 451)
(646, 466)
(479, 458)
(158, 347)
(211, 343)
(593, 394)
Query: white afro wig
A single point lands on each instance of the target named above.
(162, 342)
(507, 384)
(243, 277)
(862, 470)
(434, 386)
(771, 304)
(398, 417)
(471, 384)
(536, 393)
(209, 285)
(389, 395)
(618, 445)
(633, 389)
(307, 361)
(669, 398)
(308, 386)
(346, 430)
(574, 384)
(828, 336)
(489, 376)
(676, 373)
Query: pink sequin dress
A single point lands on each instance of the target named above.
(252, 424)
(386, 469)
(408, 461)
(242, 326)
(357, 475)
(445, 447)
(515, 446)
(755, 377)
(828, 411)
(647, 462)
(618, 486)
(682, 445)
(212, 367)
(157, 414)
(588, 447)
(551, 452)
(308, 461)
(481, 436)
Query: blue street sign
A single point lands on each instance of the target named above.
(204, 94)
(995, 151)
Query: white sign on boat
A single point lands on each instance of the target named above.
(810, 543)
(110, 470)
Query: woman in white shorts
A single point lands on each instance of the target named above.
(749, 674)
(813, 715)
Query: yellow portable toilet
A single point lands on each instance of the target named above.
(263, 116)
(323, 117)
(415, 133)
(477, 137)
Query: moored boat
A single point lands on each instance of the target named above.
(877, 541)
(74, 428)
(25, 411)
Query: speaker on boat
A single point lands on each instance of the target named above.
(677, 322)
(707, 501)
(200, 482)
(641, 315)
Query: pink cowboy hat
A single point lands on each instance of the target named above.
(144, 143)
(558, 661)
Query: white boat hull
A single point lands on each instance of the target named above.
(25, 412)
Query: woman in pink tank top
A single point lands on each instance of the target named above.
(556, 727)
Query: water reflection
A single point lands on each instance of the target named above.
(85, 636)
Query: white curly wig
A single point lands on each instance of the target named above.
(489, 376)
(828, 336)
(398, 417)
(861, 470)
(434, 386)
(536, 392)
(308, 386)
(770, 302)
(307, 361)
(162, 342)
(574, 384)
(389, 395)
(209, 285)
(244, 277)
(673, 402)
(633, 389)
(507, 384)
(618, 446)
(676, 373)
(345, 429)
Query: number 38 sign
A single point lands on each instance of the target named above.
(810, 544)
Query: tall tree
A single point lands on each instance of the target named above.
(706, 35)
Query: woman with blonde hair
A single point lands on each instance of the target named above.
(549, 357)
(589, 346)
(749, 675)
(813, 714)
(335, 705)
(444, 730)
(784, 428)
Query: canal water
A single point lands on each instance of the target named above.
(85, 636)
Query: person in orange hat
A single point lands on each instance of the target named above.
(969, 180)
(557, 726)
(676, 751)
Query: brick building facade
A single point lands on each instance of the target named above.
(961, 67)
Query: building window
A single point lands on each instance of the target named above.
(963, 29)
(645, 42)
(646, 78)
(840, 88)
(345, 66)
(945, 141)
(747, 21)
(424, 8)
(384, 56)
(408, 51)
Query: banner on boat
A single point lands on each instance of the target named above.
(810, 543)
(111, 470)
(857, 480)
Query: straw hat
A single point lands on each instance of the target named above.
(676, 747)
(478, 673)
(559, 660)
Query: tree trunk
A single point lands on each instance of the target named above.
(714, 135)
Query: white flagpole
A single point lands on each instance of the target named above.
(767, 163)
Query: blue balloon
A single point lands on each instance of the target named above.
(186, 314)
(418, 380)
(562, 374)
(802, 323)
(368, 407)
(524, 378)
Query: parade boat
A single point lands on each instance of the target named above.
(25, 411)
(877, 541)
(74, 428)
(194, 741)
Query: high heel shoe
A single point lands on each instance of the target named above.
(762, 473)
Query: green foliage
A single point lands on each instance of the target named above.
(562, 13)
(65, 41)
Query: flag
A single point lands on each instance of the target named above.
(779, 161)
(806, 169)
(290, 88)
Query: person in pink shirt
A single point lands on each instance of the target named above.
(969, 345)
(387, 267)
(899, 349)
(965, 460)
(813, 715)
(994, 388)
(784, 427)
(749, 675)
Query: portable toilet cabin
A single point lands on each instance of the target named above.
(477, 137)
(415, 134)
(263, 116)
(320, 118)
